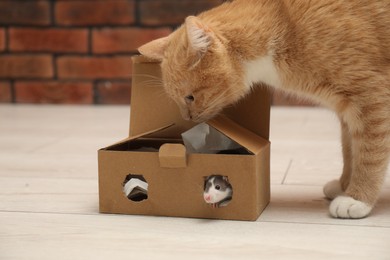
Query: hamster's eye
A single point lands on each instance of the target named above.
(217, 187)
(189, 99)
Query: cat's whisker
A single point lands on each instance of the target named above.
(211, 106)
(222, 95)
(162, 94)
(152, 84)
(147, 76)
(216, 102)
(152, 81)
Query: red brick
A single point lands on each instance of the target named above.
(169, 12)
(48, 40)
(5, 92)
(282, 99)
(111, 92)
(100, 12)
(54, 92)
(111, 40)
(2, 39)
(24, 12)
(26, 66)
(73, 67)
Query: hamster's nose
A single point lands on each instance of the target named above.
(207, 197)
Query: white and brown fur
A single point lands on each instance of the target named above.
(333, 51)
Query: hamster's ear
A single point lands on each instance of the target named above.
(155, 49)
(200, 36)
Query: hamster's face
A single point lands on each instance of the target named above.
(215, 192)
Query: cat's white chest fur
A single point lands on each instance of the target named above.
(263, 70)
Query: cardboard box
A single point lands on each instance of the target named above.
(175, 179)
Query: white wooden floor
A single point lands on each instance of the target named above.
(49, 195)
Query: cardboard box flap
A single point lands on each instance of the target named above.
(253, 112)
(152, 108)
(239, 134)
(149, 133)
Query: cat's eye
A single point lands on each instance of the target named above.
(217, 187)
(189, 99)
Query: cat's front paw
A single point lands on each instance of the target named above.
(333, 189)
(347, 207)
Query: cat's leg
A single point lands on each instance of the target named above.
(370, 157)
(335, 188)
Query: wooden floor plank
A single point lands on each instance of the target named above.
(49, 195)
(59, 236)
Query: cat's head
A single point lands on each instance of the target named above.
(197, 71)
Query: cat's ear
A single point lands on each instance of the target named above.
(200, 36)
(155, 49)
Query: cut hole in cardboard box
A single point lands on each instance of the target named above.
(174, 177)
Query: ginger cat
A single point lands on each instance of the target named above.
(335, 52)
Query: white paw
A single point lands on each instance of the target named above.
(333, 189)
(347, 207)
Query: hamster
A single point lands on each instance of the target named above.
(217, 190)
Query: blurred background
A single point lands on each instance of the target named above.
(78, 51)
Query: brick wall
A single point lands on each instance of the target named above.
(78, 51)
